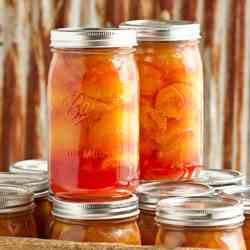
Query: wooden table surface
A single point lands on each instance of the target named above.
(11, 243)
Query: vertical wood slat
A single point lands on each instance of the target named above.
(210, 49)
(23, 71)
(246, 139)
(239, 61)
(233, 102)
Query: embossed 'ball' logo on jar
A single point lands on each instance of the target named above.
(79, 108)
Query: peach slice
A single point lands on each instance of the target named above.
(184, 150)
(65, 136)
(127, 160)
(147, 145)
(150, 78)
(152, 121)
(102, 82)
(176, 128)
(178, 100)
(109, 133)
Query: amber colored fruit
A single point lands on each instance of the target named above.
(148, 227)
(151, 120)
(175, 129)
(151, 78)
(112, 231)
(102, 83)
(217, 238)
(43, 216)
(63, 139)
(178, 100)
(147, 146)
(108, 133)
(185, 149)
(127, 161)
(171, 92)
(18, 224)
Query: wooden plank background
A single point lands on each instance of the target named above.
(25, 55)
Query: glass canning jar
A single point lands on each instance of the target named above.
(93, 113)
(34, 167)
(16, 212)
(39, 187)
(151, 193)
(208, 222)
(102, 221)
(220, 179)
(242, 193)
(171, 98)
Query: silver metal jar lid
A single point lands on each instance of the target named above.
(152, 30)
(96, 210)
(151, 193)
(37, 167)
(15, 199)
(38, 185)
(200, 211)
(219, 178)
(241, 193)
(93, 38)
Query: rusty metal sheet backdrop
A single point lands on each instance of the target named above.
(25, 56)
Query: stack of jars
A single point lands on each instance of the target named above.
(126, 107)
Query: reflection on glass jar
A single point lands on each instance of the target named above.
(209, 222)
(93, 113)
(115, 222)
(151, 193)
(171, 98)
(39, 187)
(16, 212)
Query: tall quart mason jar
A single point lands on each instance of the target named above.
(93, 113)
(171, 98)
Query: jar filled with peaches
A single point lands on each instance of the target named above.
(151, 193)
(17, 212)
(211, 222)
(93, 113)
(171, 98)
(39, 187)
(99, 221)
